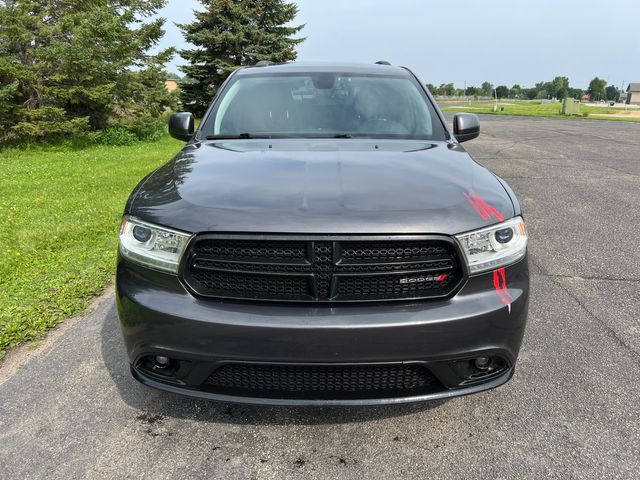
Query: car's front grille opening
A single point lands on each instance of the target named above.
(253, 285)
(391, 250)
(323, 270)
(393, 286)
(253, 249)
(322, 382)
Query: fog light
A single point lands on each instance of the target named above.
(161, 361)
(478, 369)
(482, 363)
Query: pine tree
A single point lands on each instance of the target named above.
(75, 65)
(232, 33)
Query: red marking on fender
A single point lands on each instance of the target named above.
(483, 208)
(442, 277)
(489, 209)
(500, 284)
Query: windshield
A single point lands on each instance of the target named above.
(317, 105)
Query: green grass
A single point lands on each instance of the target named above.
(59, 215)
(536, 109)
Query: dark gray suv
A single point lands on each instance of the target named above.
(323, 238)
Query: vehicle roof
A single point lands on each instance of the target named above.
(317, 67)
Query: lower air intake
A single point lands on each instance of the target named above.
(322, 382)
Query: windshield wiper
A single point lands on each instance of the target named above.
(246, 135)
(337, 135)
(235, 137)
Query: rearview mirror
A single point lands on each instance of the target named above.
(466, 126)
(182, 126)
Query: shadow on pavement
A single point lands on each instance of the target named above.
(165, 404)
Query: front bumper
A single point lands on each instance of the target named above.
(160, 317)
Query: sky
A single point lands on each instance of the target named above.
(502, 41)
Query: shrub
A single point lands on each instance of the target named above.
(147, 128)
(130, 130)
(144, 127)
(117, 136)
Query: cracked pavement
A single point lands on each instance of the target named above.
(69, 408)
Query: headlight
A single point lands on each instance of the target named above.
(150, 245)
(495, 246)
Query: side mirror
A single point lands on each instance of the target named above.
(182, 126)
(466, 126)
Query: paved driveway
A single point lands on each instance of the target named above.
(571, 411)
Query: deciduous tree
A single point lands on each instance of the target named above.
(596, 89)
(612, 93)
(502, 91)
(471, 91)
(559, 87)
(447, 89)
(487, 89)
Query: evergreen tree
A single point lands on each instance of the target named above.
(73, 65)
(229, 34)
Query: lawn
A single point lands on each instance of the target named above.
(59, 214)
(537, 109)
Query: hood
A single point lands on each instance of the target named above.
(322, 186)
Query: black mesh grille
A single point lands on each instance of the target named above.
(323, 270)
(369, 251)
(322, 382)
(322, 267)
(252, 249)
(392, 286)
(252, 284)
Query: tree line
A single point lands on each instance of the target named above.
(91, 70)
(557, 88)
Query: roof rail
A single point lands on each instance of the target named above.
(264, 63)
(382, 62)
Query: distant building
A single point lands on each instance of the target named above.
(171, 85)
(633, 94)
(585, 96)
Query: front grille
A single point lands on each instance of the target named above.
(340, 269)
(406, 250)
(322, 382)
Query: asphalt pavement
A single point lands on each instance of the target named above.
(69, 408)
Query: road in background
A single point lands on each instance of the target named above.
(571, 411)
(464, 103)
